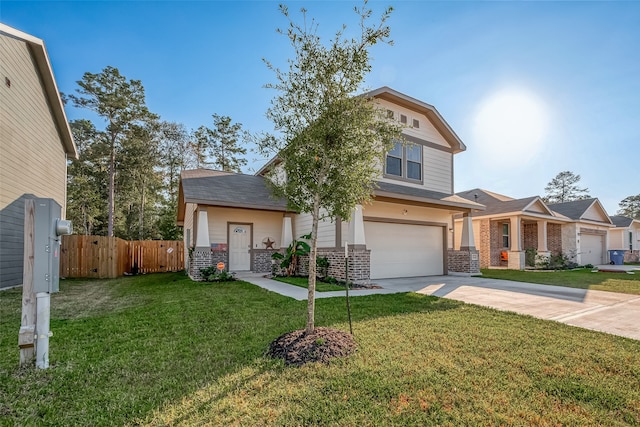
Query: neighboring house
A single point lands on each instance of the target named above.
(626, 236)
(509, 227)
(406, 231)
(35, 142)
(587, 235)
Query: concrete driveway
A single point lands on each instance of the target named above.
(610, 312)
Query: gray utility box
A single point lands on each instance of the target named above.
(48, 228)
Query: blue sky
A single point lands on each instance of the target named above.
(532, 88)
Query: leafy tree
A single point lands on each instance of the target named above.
(121, 104)
(222, 143)
(330, 141)
(564, 188)
(630, 207)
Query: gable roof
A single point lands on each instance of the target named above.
(622, 221)
(229, 189)
(411, 103)
(428, 110)
(578, 209)
(39, 52)
(499, 204)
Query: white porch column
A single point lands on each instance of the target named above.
(202, 238)
(287, 232)
(516, 255)
(356, 227)
(468, 241)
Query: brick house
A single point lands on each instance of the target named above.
(509, 227)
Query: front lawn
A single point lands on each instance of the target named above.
(162, 350)
(303, 282)
(583, 279)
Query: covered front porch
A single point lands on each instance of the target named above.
(519, 241)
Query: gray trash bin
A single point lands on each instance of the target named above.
(616, 257)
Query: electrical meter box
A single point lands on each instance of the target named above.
(48, 228)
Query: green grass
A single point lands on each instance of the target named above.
(303, 282)
(583, 279)
(162, 350)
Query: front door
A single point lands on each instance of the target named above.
(239, 245)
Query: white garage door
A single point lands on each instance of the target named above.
(591, 249)
(404, 250)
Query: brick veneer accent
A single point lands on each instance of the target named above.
(467, 262)
(495, 231)
(632, 256)
(530, 236)
(554, 238)
(485, 244)
(261, 259)
(359, 264)
(200, 258)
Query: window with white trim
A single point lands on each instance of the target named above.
(405, 161)
(630, 240)
(505, 235)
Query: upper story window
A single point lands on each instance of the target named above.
(416, 124)
(405, 161)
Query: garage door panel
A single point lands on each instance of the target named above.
(591, 248)
(404, 250)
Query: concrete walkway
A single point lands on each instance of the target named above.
(610, 312)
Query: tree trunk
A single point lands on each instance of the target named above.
(112, 185)
(311, 296)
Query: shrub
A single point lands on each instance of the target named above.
(322, 266)
(212, 274)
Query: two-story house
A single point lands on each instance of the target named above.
(35, 142)
(406, 231)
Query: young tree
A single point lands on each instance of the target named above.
(564, 188)
(222, 143)
(121, 104)
(331, 140)
(630, 207)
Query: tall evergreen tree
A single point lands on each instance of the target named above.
(630, 207)
(564, 188)
(331, 140)
(222, 144)
(87, 179)
(121, 104)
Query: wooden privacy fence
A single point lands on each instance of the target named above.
(110, 257)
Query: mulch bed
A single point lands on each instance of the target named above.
(321, 345)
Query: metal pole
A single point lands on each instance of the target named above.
(346, 283)
(43, 304)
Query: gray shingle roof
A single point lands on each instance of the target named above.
(427, 196)
(621, 221)
(218, 188)
(574, 209)
(495, 203)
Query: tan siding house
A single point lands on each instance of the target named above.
(404, 232)
(35, 141)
